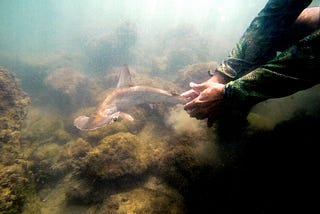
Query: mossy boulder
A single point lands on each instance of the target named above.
(13, 175)
(13, 181)
(73, 152)
(182, 46)
(143, 200)
(111, 48)
(43, 163)
(13, 103)
(197, 73)
(81, 191)
(65, 80)
(116, 156)
(69, 89)
(44, 126)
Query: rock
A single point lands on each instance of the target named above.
(116, 156)
(111, 49)
(181, 46)
(44, 126)
(194, 73)
(13, 178)
(73, 152)
(69, 88)
(152, 197)
(81, 191)
(12, 106)
(65, 80)
(13, 181)
(44, 164)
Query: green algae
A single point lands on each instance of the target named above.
(42, 127)
(151, 197)
(116, 156)
(53, 200)
(110, 167)
(197, 73)
(13, 174)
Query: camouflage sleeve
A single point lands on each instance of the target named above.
(295, 69)
(259, 43)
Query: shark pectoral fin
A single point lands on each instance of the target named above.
(126, 116)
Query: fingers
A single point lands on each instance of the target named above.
(204, 101)
(195, 90)
(201, 111)
(198, 87)
(195, 103)
(190, 94)
(201, 100)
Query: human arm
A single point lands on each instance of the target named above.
(262, 38)
(295, 69)
(259, 43)
(257, 46)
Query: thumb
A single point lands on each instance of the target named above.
(197, 87)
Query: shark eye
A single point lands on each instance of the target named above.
(114, 118)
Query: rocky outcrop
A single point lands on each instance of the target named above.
(13, 176)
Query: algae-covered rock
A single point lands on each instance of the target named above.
(44, 126)
(197, 73)
(13, 178)
(69, 88)
(116, 156)
(189, 152)
(52, 199)
(182, 46)
(44, 160)
(12, 185)
(66, 80)
(73, 151)
(45, 140)
(81, 191)
(13, 102)
(143, 200)
(112, 48)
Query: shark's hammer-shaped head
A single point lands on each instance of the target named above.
(98, 120)
(81, 122)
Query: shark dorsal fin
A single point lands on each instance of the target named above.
(124, 77)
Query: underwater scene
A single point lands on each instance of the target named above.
(92, 120)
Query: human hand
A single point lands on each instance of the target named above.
(206, 99)
(192, 94)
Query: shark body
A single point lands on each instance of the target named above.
(118, 102)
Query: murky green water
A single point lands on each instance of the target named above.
(66, 57)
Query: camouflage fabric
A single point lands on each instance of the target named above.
(295, 69)
(257, 73)
(262, 39)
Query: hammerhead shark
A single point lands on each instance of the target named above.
(121, 99)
